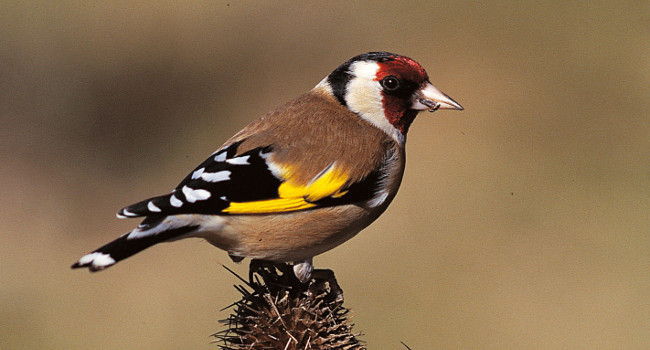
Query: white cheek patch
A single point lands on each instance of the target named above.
(363, 93)
(364, 97)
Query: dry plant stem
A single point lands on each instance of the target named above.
(277, 311)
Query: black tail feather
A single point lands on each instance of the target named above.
(123, 247)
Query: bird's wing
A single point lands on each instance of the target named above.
(308, 153)
(252, 182)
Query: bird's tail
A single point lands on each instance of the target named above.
(150, 232)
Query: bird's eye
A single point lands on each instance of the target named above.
(390, 83)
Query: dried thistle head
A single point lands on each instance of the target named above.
(279, 312)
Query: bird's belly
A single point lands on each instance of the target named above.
(292, 236)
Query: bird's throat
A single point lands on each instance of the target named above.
(402, 120)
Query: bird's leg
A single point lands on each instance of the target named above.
(303, 270)
(257, 265)
(327, 276)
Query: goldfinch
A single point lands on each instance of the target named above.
(300, 180)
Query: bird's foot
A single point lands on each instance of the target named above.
(303, 270)
(326, 278)
(301, 275)
(266, 267)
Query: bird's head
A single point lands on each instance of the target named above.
(386, 89)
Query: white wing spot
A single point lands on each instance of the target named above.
(120, 216)
(193, 195)
(87, 258)
(175, 202)
(223, 198)
(152, 207)
(265, 155)
(275, 169)
(97, 259)
(220, 157)
(243, 160)
(197, 173)
(216, 177)
(103, 260)
(125, 212)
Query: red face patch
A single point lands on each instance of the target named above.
(402, 68)
(397, 106)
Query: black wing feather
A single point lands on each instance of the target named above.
(248, 179)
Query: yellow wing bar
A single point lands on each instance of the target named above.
(295, 196)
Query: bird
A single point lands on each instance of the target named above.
(300, 180)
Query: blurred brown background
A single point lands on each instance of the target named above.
(522, 222)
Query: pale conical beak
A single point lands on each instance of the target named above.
(432, 99)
